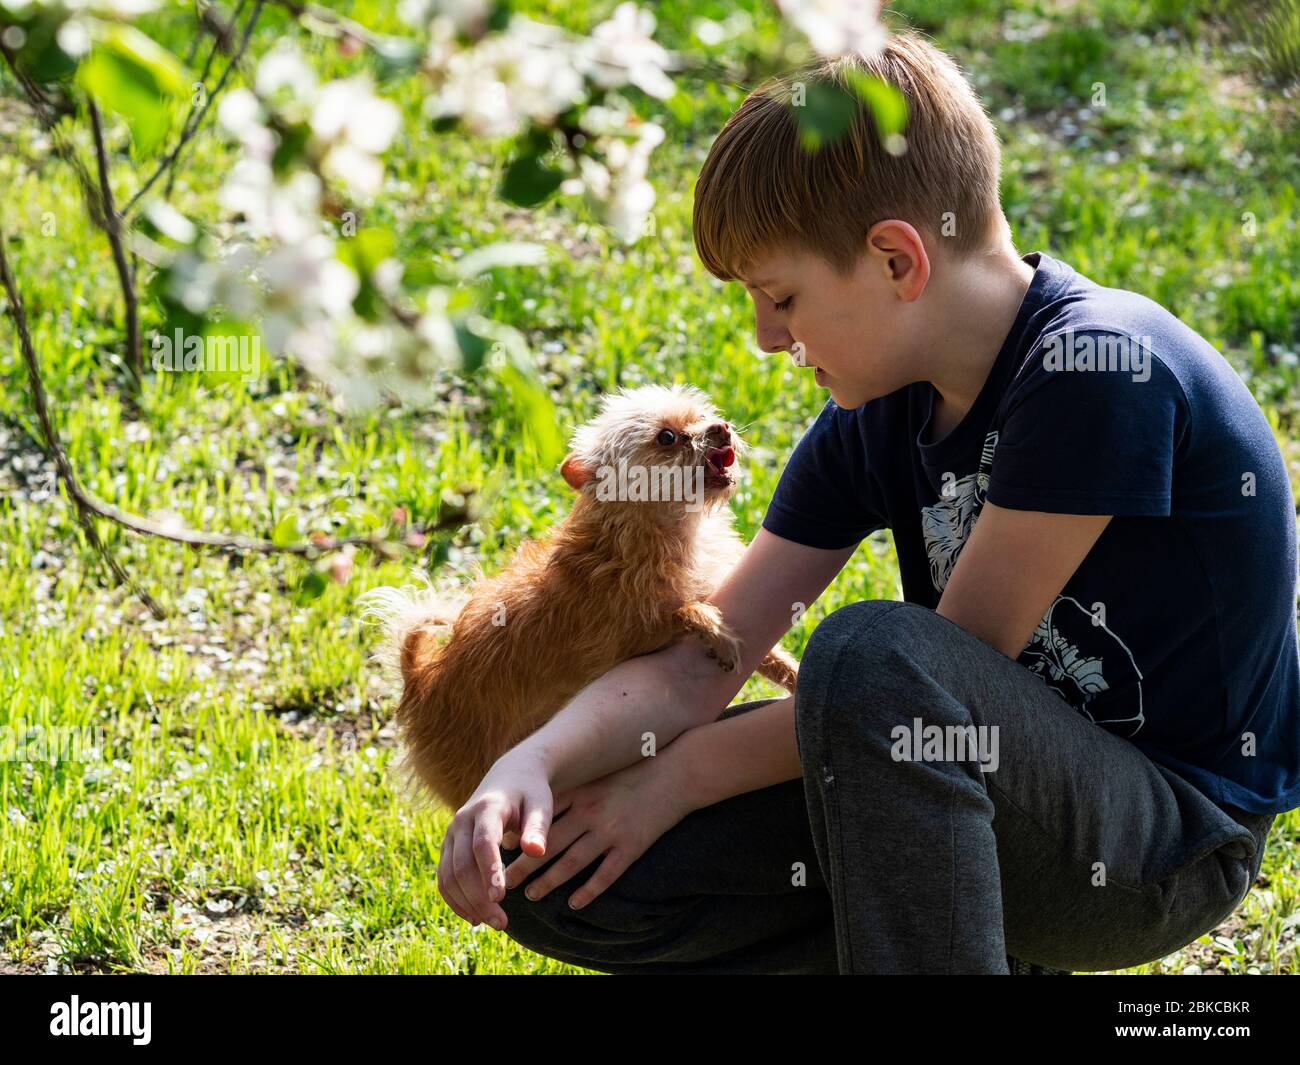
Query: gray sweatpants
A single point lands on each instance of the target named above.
(1073, 850)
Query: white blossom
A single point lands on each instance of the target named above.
(200, 284)
(620, 50)
(350, 111)
(837, 27)
(525, 73)
(74, 37)
(286, 81)
(618, 187)
(351, 125)
(465, 16)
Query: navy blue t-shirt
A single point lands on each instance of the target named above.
(1178, 630)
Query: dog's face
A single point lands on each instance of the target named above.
(672, 437)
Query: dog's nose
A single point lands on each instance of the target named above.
(720, 431)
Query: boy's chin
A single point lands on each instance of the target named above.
(848, 399)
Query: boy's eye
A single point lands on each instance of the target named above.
(665, 437)
(784, 304)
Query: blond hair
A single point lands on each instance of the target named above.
(760, 188)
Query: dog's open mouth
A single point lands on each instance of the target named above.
(717, 463)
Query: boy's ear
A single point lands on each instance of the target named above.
(575, 471)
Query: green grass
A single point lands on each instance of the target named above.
(243, 817)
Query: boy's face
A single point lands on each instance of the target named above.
(854, 329)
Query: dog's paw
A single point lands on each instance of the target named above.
(725, 649)
(705, 620)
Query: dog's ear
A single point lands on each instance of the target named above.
(575, 471)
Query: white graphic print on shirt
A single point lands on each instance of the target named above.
(1069, 646)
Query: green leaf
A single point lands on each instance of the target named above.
(291, 144)
(682, 107)
(313, 584)
(364, 251)
(176, 316)
(286, 530)
(135, 77)
(886, 102)
(528, 181)
(499, 19)
(825, 115)
(535, 411)
(439, 553)
(423, 274)
(235, 348)
(41, 56)
(472, 348)
(367, 248)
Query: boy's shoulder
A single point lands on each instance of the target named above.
(1113, 336)
(1076, 310)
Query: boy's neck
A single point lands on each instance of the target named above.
(980, 298)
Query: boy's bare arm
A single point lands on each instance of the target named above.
(605, 727)
(743, 753)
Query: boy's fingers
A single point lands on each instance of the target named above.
(447, 886)
(563, 833)
(536, 825)
(614, 866)
(578, 856)
(466, 875)
(520, 869)
(490, 884)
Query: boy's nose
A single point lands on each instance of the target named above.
(774, 340)
(771, 335)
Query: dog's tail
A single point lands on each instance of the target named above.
(408, 616)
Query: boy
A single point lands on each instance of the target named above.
(1068, 743)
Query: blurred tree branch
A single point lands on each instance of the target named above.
(90, 506)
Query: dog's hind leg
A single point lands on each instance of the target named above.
(780, 667)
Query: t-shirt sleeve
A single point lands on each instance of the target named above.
(1082, 440)
(826, 496)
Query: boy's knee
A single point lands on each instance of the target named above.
(867, 630)
(602, 931)
(857, 650)
(873, 632)
(869, 625)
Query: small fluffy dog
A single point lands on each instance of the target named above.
(627, 572)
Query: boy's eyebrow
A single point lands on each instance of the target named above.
(759, 284)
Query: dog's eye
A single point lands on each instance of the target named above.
(665, 437)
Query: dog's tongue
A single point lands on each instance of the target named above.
(720, 457)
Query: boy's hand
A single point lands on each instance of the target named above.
(619, 816)
(515, 796)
